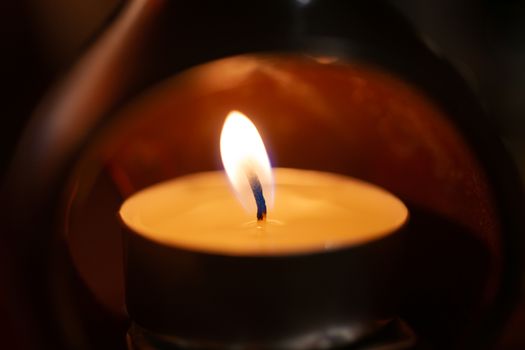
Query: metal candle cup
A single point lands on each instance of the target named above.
(261, 294)
(269, 301)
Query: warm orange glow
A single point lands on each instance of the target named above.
(243, 154)
(325, 59)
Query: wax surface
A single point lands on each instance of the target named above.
(313, 211)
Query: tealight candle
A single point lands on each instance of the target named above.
(297, 255)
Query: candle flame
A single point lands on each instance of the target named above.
(244, 158)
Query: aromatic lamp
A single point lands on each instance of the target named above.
(338, 133)
(275, 174)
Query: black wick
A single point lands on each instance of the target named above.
(255, 184)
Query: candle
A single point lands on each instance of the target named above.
(292, 256)
(313, 211)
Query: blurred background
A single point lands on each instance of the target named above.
(484, 39)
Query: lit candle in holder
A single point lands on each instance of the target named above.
(297, 258)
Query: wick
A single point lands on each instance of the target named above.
(255, 184)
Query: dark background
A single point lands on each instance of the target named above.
(485, 39)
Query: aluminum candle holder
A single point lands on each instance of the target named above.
(307, 301)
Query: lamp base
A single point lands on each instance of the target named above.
(394, 335)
